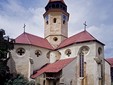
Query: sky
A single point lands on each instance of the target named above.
(97, 13)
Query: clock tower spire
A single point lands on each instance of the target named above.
(56, 22)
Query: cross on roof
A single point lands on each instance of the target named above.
(24, 27)
(85, 25)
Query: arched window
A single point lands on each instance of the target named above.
(84, 50)
(61, 6)
(81, 63)
(54, 20)
(57, 6)
(53, 5)
(47, 18)
(64, 21)
(64, 18)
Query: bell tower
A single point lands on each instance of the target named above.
(56, 22)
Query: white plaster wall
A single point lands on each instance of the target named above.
(41, 60)
(22, 63)
(75, 50)
(107, 74)
(91, 68)
(69, 73)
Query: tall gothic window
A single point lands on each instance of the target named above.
(81, 63)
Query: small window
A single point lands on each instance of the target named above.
(60, 6)
(47, 18)
(57, 6)
(53, 6)
(20, 51)
(50, 6)
(38, 53)
(68, 52)
(64, 8)
(99, 50)
(55, 38)
(47, 22)
(64, 21)
(54, 20)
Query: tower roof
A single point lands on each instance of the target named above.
(56, 0)
(56, 4)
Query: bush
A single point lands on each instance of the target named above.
(32, 82)
(18, 80)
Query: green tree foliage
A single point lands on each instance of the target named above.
(6, 44)
(18, 80)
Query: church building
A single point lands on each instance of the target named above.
(58, 59)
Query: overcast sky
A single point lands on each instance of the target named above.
(97, 13)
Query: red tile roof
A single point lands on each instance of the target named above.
(83, 36)
(27, 38)
(53, 67)
(110, 60)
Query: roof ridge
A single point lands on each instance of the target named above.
(90, 35)
(34, 35)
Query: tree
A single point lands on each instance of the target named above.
(19, 80)
(6, 44)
